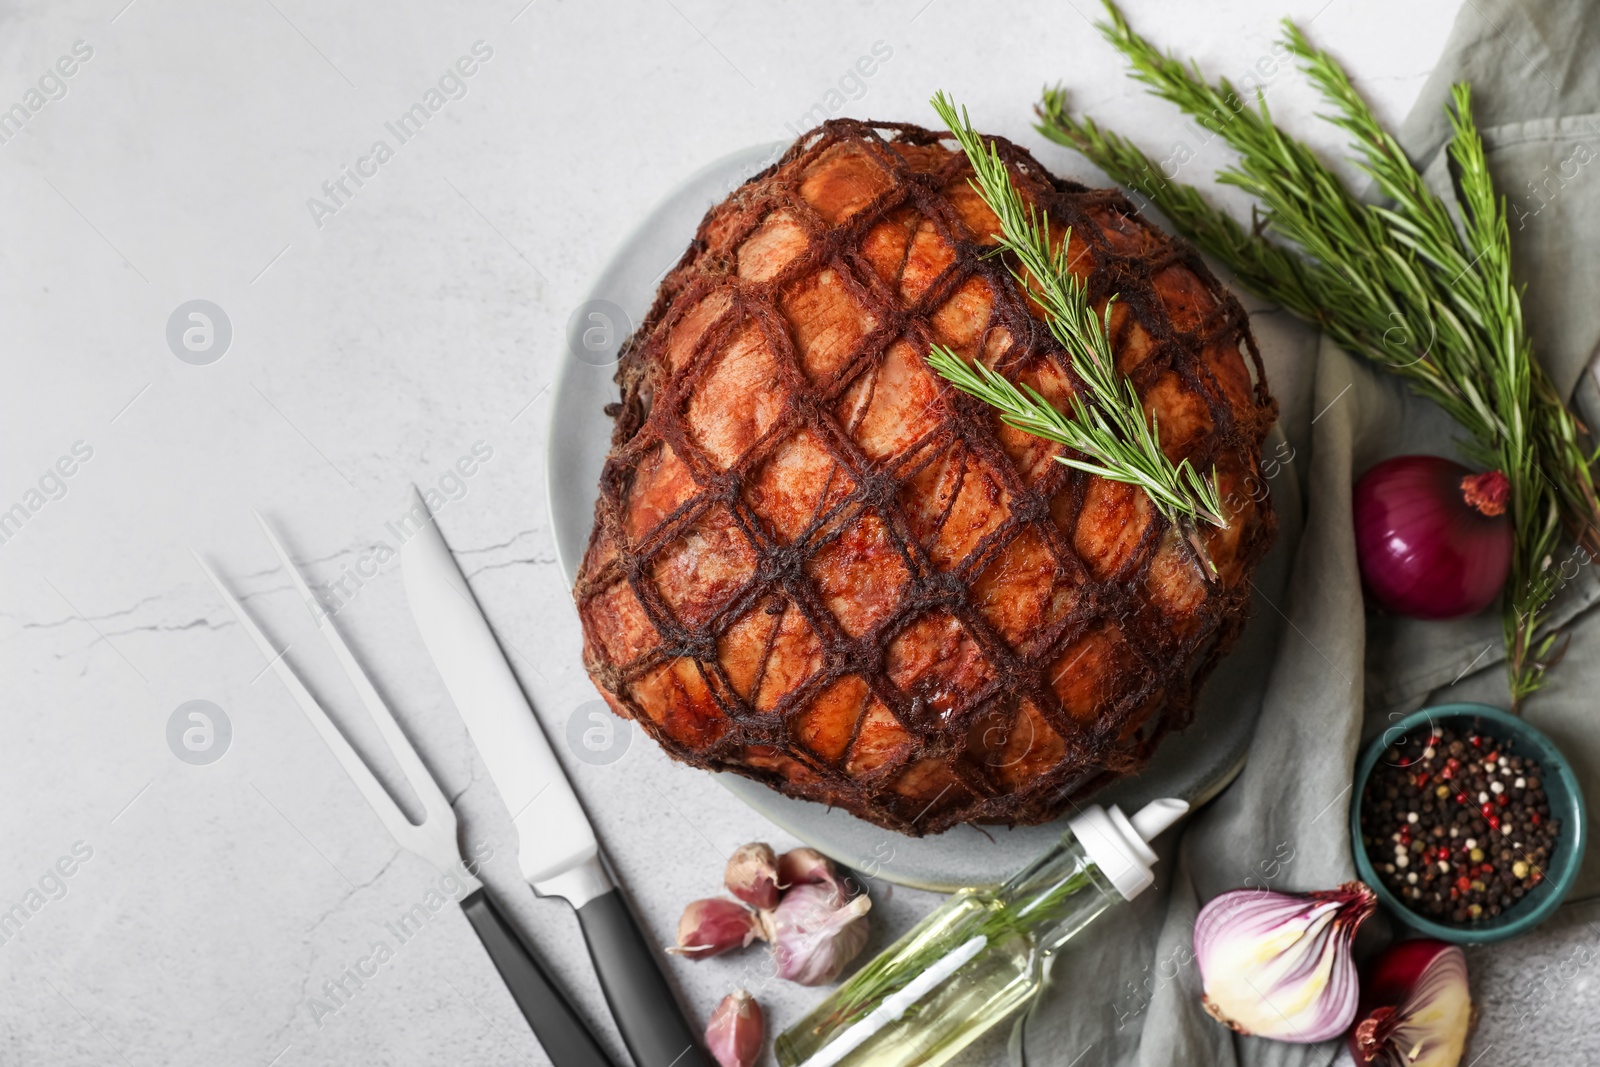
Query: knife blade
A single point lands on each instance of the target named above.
(553, 833)
(557, 851)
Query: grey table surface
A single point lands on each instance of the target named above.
(382, 327)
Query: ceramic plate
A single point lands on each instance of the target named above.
(1195, 765)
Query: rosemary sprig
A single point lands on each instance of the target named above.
(1397, 283)
(1179, 492)
(1539, 433)
(1108, 432)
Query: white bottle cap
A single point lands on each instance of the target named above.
(1116, 844)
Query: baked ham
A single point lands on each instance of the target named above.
(815, 564)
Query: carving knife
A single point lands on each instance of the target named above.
(556, 848)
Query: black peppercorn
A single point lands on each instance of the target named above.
(1453, 797)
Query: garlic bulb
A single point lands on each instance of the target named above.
(1278, 964)
(752, 875)
(713, 926)
(802, 907)
(815, 931)
(734, 1033)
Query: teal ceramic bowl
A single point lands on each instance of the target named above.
(1566, 804)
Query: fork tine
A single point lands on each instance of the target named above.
(425, 840)
(434, 804)
(352, 763)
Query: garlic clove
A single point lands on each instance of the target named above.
(734, 1031)
(815, 933)
(807, 866)
(1278, 964)
(752, 875)
(713, 926)
(1416, 1008)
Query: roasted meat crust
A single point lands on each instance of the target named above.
(816, 565)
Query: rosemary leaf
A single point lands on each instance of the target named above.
(1398, 283)
(1108, 425)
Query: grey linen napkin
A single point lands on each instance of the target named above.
(1127, 991)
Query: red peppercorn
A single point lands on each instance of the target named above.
(1437, 841)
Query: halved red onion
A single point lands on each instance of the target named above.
(1416, 1009)
(1278, 964)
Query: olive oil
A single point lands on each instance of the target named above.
(981, 955)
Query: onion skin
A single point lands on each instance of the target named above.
(1423, 549)
(1416, 1009)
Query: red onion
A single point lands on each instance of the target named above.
(1432, 538)
(1416, 1008)
(1278, 964)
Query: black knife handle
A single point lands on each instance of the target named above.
(641, 1001)
(563, 1035)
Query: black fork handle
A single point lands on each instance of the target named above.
(565, 1037)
